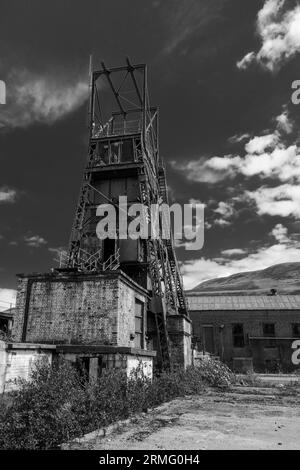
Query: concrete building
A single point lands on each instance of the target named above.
(247, 331)
(6, 321)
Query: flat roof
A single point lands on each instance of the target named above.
(243, 302)
(65, 275)
(9, 313)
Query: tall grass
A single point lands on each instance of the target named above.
(57, 404)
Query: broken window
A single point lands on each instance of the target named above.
(115, 151)
(103, 153)
(238, 335)
(139, 324)
(3, 324)
(296, 330)
(127, 151)
(269, 329)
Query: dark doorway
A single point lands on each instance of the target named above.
(208, 339)
(83, 367)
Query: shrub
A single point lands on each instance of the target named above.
(42, 411)
(215, 373)
(5, 335)
(57, 404)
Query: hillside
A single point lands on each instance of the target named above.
(284, 277)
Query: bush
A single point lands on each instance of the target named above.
(215, 373)
(57, 404)
(42, 412)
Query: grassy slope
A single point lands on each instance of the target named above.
(284, 277)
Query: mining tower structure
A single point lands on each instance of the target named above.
(123, 159)
(85, 303)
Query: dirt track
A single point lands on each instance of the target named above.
(244, 418)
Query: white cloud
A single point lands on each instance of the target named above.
(282, 163)
(184, 18)
(45, 99)
(7, 195)
(210, 170)
(221, 222)
(7, 298)
(233, 252)
(283, 200)
(284, 122)
(237, 138)
(225, 209)
(246, 61)
(260, 143)
(267, 156)
(279, 30)
(280, 232)
(35, 241)
(200, 270)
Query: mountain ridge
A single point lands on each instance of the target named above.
(284, 277)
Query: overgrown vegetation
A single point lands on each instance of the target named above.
(5, 336)
(250, 379)
(57, 404)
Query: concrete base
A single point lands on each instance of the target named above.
(17, 360)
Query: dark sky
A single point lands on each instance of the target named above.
(207, 103)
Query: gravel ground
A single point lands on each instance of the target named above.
(242, 418)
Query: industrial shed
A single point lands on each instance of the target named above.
(247, 331)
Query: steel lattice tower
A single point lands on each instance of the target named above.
(123, 159)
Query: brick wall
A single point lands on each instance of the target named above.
(81, 309)
(179, 330)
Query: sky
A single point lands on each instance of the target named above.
(221, 72)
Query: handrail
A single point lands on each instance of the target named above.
(113, 261)
(112, 129)
(90, 261)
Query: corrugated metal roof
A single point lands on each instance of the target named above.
(244, 302)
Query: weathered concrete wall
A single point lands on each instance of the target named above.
(89, 309)
(109, 357)
(252, 321)
(17, 361)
